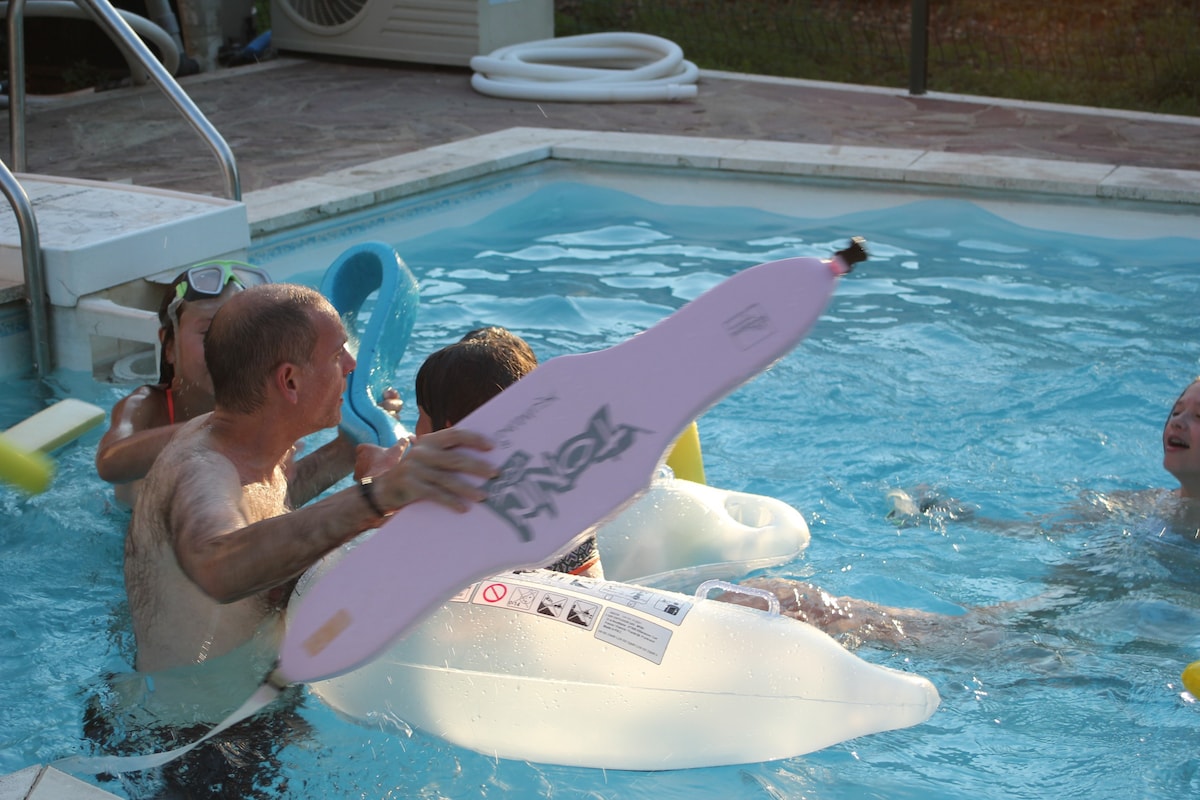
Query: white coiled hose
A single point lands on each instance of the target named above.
(591, 68)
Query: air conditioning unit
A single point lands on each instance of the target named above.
(423, 31)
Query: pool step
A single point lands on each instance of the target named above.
(100, 243)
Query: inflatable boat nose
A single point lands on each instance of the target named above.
(931, 700)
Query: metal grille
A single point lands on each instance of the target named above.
(325, 13)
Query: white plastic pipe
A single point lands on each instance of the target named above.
(150, 33)
(592, 68)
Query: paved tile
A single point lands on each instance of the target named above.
(291, 119)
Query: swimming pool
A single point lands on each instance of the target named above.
(1007, 367)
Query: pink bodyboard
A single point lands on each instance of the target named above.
(576, 440)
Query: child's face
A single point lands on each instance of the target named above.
(1181, 436)
(188, 351)
(424, 426)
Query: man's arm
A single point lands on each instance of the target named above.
(320, 469)
(230, 551)
(229, 544)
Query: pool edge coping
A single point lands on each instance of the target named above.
(40, 782)
(326, 196)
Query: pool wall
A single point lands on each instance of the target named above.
(279, 208)
(1167, 200)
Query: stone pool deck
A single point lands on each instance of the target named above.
(291, 119)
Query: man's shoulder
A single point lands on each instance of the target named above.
(189, 455)
(188, 475)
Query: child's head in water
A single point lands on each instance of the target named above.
(459, 378)
(1181, 441)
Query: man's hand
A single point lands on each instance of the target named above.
(435, 467)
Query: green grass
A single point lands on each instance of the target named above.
(1131, 54)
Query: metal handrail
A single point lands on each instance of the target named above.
(16, 83)
(119, 31)
(31, 246)
(31, 252)
(35, 284)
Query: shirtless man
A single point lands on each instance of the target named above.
(214, 542)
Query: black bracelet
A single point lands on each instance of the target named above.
(364, 488)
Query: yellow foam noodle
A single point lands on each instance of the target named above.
(1191, 678)
(23, 447)
(685, 459)
(26, 470)
(54, 426)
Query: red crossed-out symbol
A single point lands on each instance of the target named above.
(494, 592)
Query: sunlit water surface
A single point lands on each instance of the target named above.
(1024, 374)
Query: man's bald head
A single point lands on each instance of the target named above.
(256, 331)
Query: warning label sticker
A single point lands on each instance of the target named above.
(494, 592)
(599, 606)
(523, 598)
(634, 634)
(545, 603)
(553, 605)
(582, 613)
(666, 607)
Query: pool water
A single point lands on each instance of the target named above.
(1019, 374)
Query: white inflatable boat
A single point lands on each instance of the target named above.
(551, 668)
(679, 534)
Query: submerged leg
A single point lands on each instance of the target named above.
(848, 619)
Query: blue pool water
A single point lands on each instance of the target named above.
(1023, 373)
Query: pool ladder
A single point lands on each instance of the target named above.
(31, 252)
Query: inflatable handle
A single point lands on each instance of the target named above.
(373, 267)
(772, 601)
(29, 471)
(1191, 678)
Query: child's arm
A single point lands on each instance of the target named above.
(134, 438)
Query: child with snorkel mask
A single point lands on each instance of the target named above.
(143, 422)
